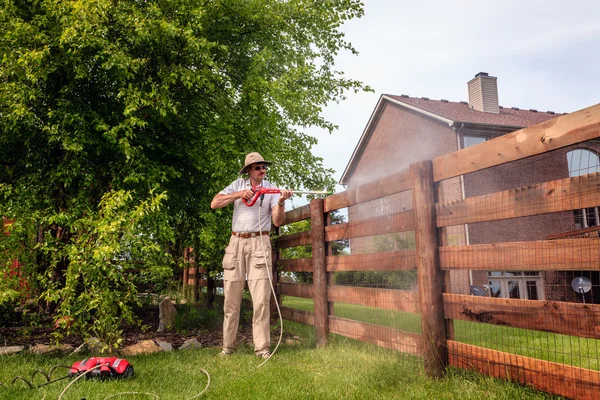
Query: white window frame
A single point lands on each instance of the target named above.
(504, 278)
(575, 159)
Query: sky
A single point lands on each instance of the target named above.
(545, 54)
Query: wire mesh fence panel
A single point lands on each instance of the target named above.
(372, 283)
(523, 258)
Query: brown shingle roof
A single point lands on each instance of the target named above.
(461, 112)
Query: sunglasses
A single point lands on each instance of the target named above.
(259, 167)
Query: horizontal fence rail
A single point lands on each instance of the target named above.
(564, 380)
(549, 197)
(399, 222)
(541, 255)
(384, 261)
(559, 132)
(573, 319)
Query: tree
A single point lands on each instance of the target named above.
(120, 120)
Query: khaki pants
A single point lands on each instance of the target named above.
(245, 257)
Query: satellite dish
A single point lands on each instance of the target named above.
(478, 290)
(581, 284)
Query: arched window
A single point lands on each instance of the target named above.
(583, 162)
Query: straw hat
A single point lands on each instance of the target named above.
(253, 158)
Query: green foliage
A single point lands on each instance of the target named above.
(191, 317)
(141, 112)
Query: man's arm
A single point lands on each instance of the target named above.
(279, 210)
(222, 200)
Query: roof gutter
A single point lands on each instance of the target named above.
(419, 110)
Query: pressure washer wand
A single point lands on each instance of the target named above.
(261, 191)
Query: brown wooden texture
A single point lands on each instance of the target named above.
(394, 183)
(429, 274)
(563, 380)
(295, 239)
(406, 342)
(540, 255)
(388, 299)
(385, 261)
(297, 265)
(573, 319)
(296, 290)
(559, 132)
(300, 316)
(297, 214)
(592, 232)
(399, 222)
(317, 230)
(548, 197)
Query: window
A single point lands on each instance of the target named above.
(583, 162)
(524, 285)
(469, 141)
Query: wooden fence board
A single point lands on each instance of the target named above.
(297, 265)
(563, 380)
(398, 222)
(394, 183)
(296, 289)
(559, 132)
(385, 261)
(548, 197)
(297, 214)
(295, 239)
(573, 319)
(388, 299)
(300, 316)
(540, 255)
(390, 338)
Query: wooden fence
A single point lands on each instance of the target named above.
(434, 260)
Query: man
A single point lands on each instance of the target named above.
(249, 253)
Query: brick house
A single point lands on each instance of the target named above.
(403, 130)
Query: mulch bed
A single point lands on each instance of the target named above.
(24, 335)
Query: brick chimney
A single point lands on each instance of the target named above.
(483, 93)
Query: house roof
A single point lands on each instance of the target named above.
(452, 114)
(462, 112)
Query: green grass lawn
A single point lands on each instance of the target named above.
(345, 369)
(564, 349)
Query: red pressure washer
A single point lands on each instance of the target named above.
(93, 367)
(110, 367)
(261, 191)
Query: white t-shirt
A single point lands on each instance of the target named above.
(245, 219)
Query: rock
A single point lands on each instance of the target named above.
(166, 315)
(45, 349)
(10, 350)
(191, 344)
(143, 347)
(165, 346)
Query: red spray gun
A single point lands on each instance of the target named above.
(260, 191)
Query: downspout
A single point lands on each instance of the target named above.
(462, 188)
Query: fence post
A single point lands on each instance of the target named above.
(317, 230)
(429, 273)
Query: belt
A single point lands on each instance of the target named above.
(246, 235)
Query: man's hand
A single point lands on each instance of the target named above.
(245, 194)
(285, 194)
